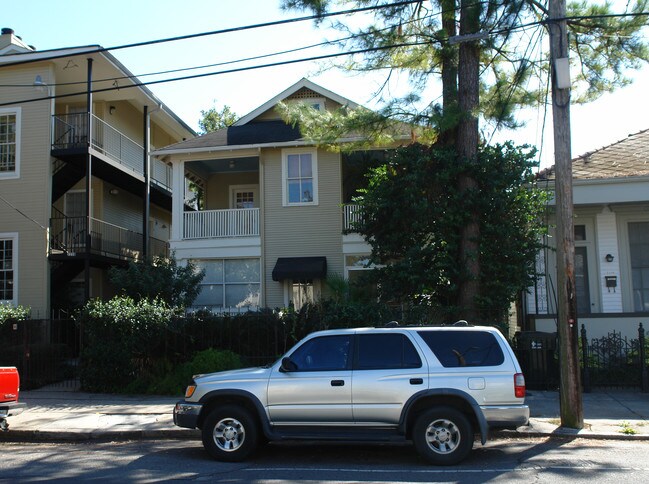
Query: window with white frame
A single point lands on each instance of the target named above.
(229, 284)
(301, 292)
(8, 268)
(9, 143)
(300, 179)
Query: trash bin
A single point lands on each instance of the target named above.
(537, 353)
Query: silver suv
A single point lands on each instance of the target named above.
(435, 386)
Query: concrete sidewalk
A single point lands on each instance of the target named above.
(57, 415)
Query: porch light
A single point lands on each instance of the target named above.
(40, 84)
(609, 257)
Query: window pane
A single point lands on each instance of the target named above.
(306, 166)
(213, 270)
(210, 295)
(242, 270)
(377, 351)
(307, 190)
(241, 295)
(464, 348)
(294, 191)
(324, 353)
(580, 232)
(293, 166)
(639, 252)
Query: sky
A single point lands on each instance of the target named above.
(68, 23)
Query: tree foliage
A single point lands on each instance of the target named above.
(213, 119)
(159, 278)
(413, 40)
(412, 212)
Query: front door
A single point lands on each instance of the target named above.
(244, 197)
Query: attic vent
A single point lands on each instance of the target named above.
(304, 93)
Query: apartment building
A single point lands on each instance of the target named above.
(79, 191)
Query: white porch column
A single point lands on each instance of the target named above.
(607, 243)
(177, 200)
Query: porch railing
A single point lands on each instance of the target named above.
(70, 131)
(68, 236)
(351, 216)
(239, 222)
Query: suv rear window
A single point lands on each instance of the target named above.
(464, 348)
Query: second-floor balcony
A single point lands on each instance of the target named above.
(351, 216)
(70, 133)
(204, 224)
(68, 238)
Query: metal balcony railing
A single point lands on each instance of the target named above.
(239, 222)
(70, 132)
(68, 236)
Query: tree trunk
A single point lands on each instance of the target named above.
(448, 134)
(467, 149)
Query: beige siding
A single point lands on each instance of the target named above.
(218, 188)
(304, 231)
(31, 192)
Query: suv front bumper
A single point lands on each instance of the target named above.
(186, 414)
(506, 416)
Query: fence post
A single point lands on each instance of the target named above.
(584, 359)
(644, 378)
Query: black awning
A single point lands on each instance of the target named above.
(300, 268)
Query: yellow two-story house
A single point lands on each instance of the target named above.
(79, 193)
(269, 224)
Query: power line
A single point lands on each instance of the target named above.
(208, 74)
(205, 66)
(215, 32)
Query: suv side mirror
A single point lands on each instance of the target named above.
(287, 365)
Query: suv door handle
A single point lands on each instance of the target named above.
(337, 383)
(416, 381)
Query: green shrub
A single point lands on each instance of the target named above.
(175, 381)
(18, 313)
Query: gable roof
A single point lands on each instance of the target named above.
(626, 158)
(301, 84)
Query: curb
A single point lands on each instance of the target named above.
(68, 436)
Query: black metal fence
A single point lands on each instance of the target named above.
(44, 351)
(612, 361)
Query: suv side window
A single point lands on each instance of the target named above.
(323, 353)
(386, 351)
(464, 348)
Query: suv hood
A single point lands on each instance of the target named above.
(233, 375)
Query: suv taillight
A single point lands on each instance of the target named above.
(519, 385)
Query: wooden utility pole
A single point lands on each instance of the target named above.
(571, 406)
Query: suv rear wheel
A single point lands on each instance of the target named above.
(443, 436)
(229, 434)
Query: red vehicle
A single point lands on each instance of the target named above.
(9, 390)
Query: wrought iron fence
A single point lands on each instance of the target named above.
(612, 361)
(45, 351)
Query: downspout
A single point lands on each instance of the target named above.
(147, 185)
(88, 185)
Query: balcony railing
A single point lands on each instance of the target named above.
(68, 236)
(70, 131)
(351, 216)
(240, 222)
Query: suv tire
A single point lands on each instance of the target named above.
(443, 436)
(230, 434)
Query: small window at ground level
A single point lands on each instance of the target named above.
(386, 351)
(464, 348)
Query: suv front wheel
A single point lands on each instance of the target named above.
(229, 434)
(443, 436)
